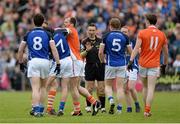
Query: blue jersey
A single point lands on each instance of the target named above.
(115, 46)
(38, 43)
(135, 62)
(61, 44)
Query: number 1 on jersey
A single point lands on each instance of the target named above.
(153, 44)
(60, 42)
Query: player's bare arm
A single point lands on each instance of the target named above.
(165, 53)
(129, 49)
(101, 53)
(136, 49)
(54, 51)
(21, 50)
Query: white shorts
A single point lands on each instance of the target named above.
(144, 72)
(38, 68)
(65, 66)
(132, 75)
(78, 68)
(113, 72)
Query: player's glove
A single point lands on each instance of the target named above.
(129, 66)
(163, 69)
(57, 69)
(23, 68)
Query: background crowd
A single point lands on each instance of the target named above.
(16, 20)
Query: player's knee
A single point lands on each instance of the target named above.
(90, 89)
(101, 90)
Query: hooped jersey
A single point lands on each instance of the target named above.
(37, 41)
(115, 46)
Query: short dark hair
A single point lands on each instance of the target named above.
(92, 25)
(38, 19)
(73, 21)
(152, 18)
(115, 23)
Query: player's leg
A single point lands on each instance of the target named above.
(109, 94)
(100, 75)
(90, 81)
(51, 88)
(143, 78)
(74, 84)
(96, 104)
(42, 94)
(120, 93)
(150, 93)
(101, 94)
(64, 95)
(132, 82)
(109, 78)
(90, 86)
(44, 73)
(35, 83)
(120, 80)
(34, 76)
(128, 97)
(152, 73)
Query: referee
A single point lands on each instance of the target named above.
(94, 69)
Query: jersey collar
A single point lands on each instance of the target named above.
(152, 26)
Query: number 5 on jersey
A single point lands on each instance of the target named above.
(116, 45)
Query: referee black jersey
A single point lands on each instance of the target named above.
(92, 55)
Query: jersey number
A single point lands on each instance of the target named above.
(60, 42)
(116, 43)
(153, 43)
(37, 43)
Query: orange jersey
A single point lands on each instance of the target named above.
(73, 42)
(152, 43)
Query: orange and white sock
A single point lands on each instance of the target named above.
(76, 106)
(147, 109)
(51, 97)
(91, 99)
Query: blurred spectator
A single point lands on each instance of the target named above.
(176, 64)
(101, 25)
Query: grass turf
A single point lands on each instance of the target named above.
(15, 107)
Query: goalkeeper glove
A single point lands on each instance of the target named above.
(163, 69)
(23, 67)
(57, 69)
(129, 66)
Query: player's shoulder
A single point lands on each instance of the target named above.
(48, 30)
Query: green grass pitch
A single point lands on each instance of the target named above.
(15, 107)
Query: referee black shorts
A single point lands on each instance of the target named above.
(94, 71)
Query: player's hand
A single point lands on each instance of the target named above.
(129, 66)
(22, 67)
(163, 69)
(88, 46)
(57, 69)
